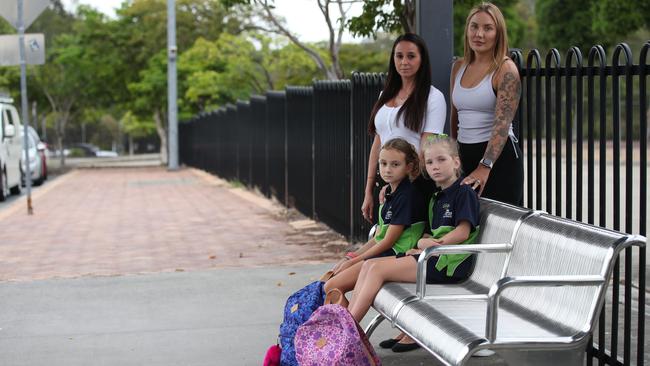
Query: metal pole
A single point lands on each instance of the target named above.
(171, 86)
(24, 112)
(435, 24)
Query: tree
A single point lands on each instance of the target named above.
(136, 128)
(274, 24)
(150, 97)
(584, 23)
(378, 16)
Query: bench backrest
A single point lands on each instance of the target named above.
(498, 222)
(546, 245)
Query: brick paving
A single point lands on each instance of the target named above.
(106, 222)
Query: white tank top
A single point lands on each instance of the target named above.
(475, 108)
(388, 127)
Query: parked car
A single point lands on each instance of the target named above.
(10, 148)
(90, 150)
(37, 159)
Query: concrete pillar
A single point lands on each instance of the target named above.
(435, 23)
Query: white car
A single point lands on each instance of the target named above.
(36, 165)
(11, 145)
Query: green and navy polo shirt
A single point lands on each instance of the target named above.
(447, 209)
(405, 207)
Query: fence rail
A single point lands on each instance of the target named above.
(308, 148)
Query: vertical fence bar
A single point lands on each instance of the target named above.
(574, 52)
(258, 139)
(616, 184)
(558, 136)
(276, 142)
(534, 57)
(244, 136)
(628, 195)
(643, 181)
(300, 162)
(365, 91)
(553, 56)
(332, 153)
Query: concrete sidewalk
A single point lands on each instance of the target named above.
(220, 317)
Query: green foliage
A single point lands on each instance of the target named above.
(135, 126)
(584, 23)
(371, 56)
(377, 16)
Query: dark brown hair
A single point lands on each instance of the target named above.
(410, 154)
(415, 107)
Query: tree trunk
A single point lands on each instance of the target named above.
(59, 140)
(130, 145)
(162, 135)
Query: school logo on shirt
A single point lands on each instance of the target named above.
(389, 214)
(448, 214)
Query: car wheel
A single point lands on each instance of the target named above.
(4, 188)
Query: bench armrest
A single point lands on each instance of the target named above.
(529, 281)
(421, 282)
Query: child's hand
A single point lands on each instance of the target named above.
(413, 251)
(341, 266)
(425, 243)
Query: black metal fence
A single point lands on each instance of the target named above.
(308, 147)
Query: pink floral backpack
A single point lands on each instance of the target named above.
(332, 337)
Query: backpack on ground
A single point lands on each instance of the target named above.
(331, 337)
(299, 307)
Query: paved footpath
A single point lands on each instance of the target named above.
(105, 222)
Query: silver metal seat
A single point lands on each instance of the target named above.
(497, 226)
(542, 309)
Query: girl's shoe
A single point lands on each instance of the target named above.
(388, 343)
(405, 347)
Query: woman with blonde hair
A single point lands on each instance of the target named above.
(485, 91)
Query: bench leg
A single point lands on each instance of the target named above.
(374, 323)
(573, 357)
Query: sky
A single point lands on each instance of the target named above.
(302, 16)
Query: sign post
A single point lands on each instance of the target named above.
(172, 109)
(21, 19)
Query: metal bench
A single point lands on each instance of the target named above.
(549, 289)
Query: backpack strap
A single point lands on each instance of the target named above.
(432, 203)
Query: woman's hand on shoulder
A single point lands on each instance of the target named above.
(477, 179)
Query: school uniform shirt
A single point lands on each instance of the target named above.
(447, 209)
(405, 207)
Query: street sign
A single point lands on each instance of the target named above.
(31, 10)
(10, 49)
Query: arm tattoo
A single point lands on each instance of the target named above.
(506, 105)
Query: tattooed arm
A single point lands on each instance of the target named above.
(508, 93)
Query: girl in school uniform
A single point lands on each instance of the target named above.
(402, 216)
(454, 219)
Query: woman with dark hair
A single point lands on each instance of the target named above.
(409, 107)
(485, 94)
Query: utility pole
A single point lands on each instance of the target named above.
(24, 111)
(172, 109)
